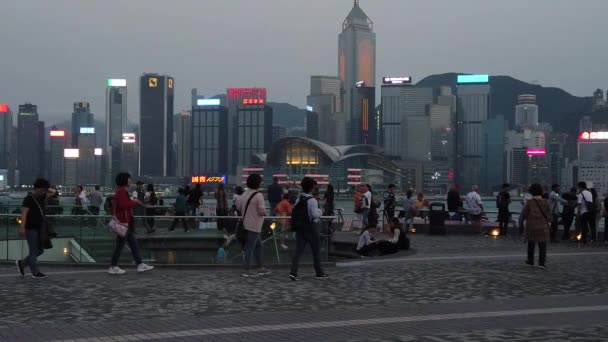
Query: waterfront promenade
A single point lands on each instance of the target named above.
(450, 288)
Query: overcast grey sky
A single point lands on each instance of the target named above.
(55, 52)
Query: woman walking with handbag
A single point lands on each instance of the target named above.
(538, 223)
(123, 213)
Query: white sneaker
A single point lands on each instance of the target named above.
(284, 247)
(116, 270)
(144, 268)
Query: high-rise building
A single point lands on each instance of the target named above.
(57, 162)
(209, 150)
(81, 117)
(415, 105)
(393, 113)
(523, 150)
(28, 142)
(334, 129)
(585, 124)
(235, 98)
(70, 161)
(526, 112)
(253, 130)
(42, 149)
(493, 161)
(278, 132)
(364, 122)
(116, 121)
(442, 142)
(473, 108)
(88, 172)
(313, 124)
(130, 154)
(325, 94)
(356, 62)
(182, 124)
(156, 125)
(6, 132)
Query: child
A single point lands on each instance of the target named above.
(220, 258)
(284, 209)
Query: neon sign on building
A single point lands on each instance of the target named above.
(198, 179)
(593, 136)
(253, 101)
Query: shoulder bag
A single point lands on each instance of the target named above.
(543, 213)
(241, 232)
(115, 226)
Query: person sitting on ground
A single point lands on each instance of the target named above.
(366, 244)
(396, 241)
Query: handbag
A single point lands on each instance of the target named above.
(542, 212)
(241, 232)
(115, 226)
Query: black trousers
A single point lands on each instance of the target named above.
(554, 227)
(310, 236)
(567, 220)
(183, 221)
(586, 222)
(504, 219)
(542, 252)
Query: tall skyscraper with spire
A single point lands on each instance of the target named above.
(356, 63)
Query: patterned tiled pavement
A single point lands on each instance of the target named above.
(454, 288)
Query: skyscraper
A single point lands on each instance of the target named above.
(325, 94)
(182, 124)
(130, 154)
(364, 122)
(253, 130)
(312, 124)
(57, 166)
(356, 59)
(6, 132)
(28, 142)
(235, 98)
(209, 138)
(88, 172)
(526, 112)
(81, 117)
(393, 113)
(116, 121)
(473, 108)
(156, 125)
(415, 105)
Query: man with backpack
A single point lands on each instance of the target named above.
(305, 219)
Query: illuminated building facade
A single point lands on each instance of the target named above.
(81, 117)
(364, 120)
(209, 138)
(156, 125)
(58, 144)
(130, 154)
(253, 131)
(116, 121)
(356, 62)
(473, 108)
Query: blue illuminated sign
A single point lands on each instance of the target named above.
(309, 108)
(87, 130)
(1, 178)
(473, 79)
(208, 102)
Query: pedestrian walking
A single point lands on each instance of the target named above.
(123, 211)
(140, 194)
(502, 204)
(409, 211)
(586, 212)
(569, 212)
(389, 202)
(475, 208)
(305, 221)
(151, 201)
(194, 201)
(538, 224)
(80, 201)
(251, 204)
(180, 208)
(275, 194)
(95, 201)
(554, 202)
(33, 226)
(284, 209)
(221, 207)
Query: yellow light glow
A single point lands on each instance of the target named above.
(413, 230)
(65, 251)
(579, 237)
(495, 232)
(19, 221)
(273, 225)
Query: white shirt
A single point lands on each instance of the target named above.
(395, 237)
(364, 240)
(474, 203)
(581, 203)
(83, 198)
(367, 202)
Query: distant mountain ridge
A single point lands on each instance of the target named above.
(284, 114)
(556, 106)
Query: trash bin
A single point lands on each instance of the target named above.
(437, 215)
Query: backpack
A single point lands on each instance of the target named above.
(588, 204)
(153, 199)
(299, 216)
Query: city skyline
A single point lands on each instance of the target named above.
(286, 75)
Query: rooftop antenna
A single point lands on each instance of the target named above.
(356, 2)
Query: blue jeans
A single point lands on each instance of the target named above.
(253, 248)
(365, 217)
(35, 250)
